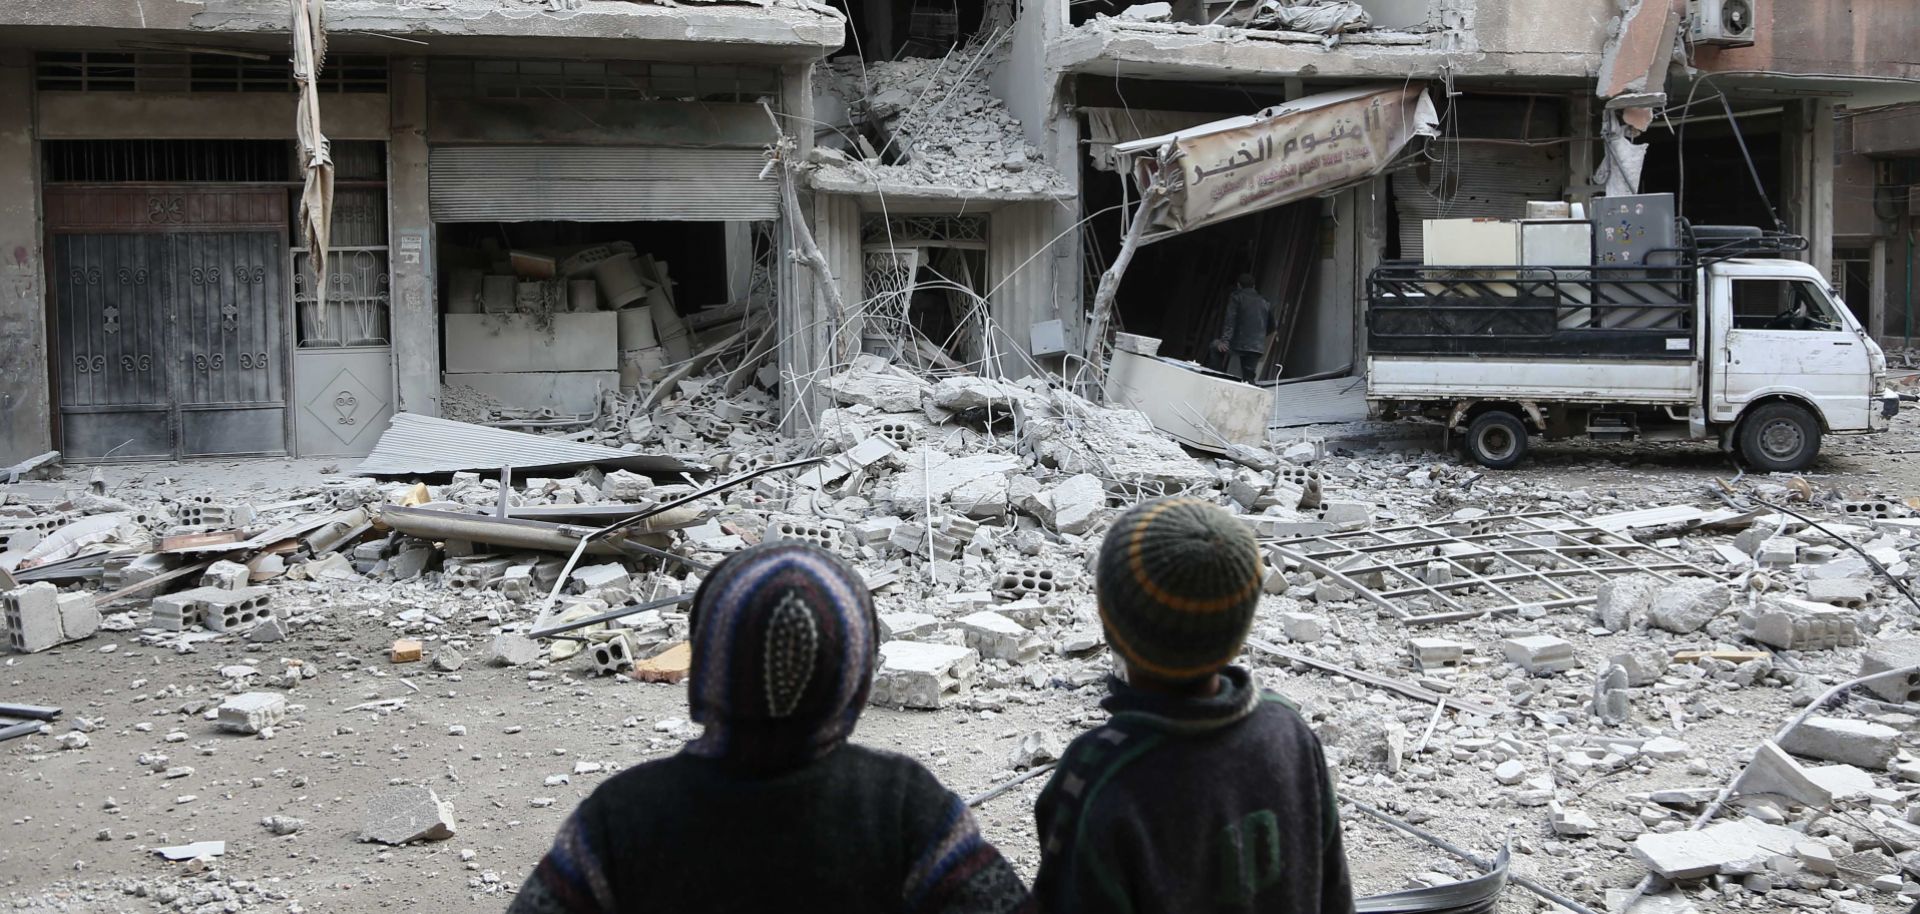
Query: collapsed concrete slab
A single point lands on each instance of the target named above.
(1851, 742)
(403, 815)
(925, 676)
(1733, 848)
(1801, 625)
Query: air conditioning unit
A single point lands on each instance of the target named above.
(1728, 23)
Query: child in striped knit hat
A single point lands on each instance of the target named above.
(1201, 793)
(771, 809)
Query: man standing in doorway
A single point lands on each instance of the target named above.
(1249, 320)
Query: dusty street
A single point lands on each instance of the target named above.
(513, 748)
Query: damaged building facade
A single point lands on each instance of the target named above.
(537, 202)
(506, 176)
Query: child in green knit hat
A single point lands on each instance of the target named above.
(1202, 793)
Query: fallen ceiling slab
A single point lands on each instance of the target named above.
(417, 445)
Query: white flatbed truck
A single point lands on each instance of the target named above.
(1755, 351)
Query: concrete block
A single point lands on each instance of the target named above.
(1870, 509)
(1539, 654)
(1801, 625)
(1644, 667)
(517, 583)
(624, 485)
(1893, 655)
(1076, 503)
(1738, 847)
(813, 531)
(478, 343)
(79, 618)
(916, 675)
(609, 582)
(1302, 627)
(612, 655)
(1849, 593)
(402, 815)
(474, 572)
(1612, 703)
(907, 626)
(873, 531)
(1778, 552)
(33, 617)
(205, 514)
(251, 712)
(1618, 602)
(225, 575)
(234, 610)
(1850, 742)
(1436, 654)
(997, 637)
(182, 610)
(1027, 581)
(409, 563)
(1686, 607)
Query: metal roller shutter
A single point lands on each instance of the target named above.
(1475, 181)
(599, 184)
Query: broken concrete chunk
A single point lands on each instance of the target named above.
(671, 665)
(997, 637)
(252, 712)
(1734, 848)
(916, 675)
(1037, 748)
(1076, 503)
(1850, 593)
(79, 618)
(512, 649)
(1644, 666)
(402, 815)
(1302, 627)
(194, 851)
(1800, 625)
(1775, 773)
(1539, 654)
(1436, 654)
(1851, 742)
(267, 631)
(1618, 602)
(1893, 655)
(1687, 606)
(447, 660)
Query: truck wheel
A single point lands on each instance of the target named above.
(1779, 438)
(1497, 440)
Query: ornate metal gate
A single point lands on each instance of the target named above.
(169, 307)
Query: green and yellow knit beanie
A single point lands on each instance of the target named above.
(1178, 581)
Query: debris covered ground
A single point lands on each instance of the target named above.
(324, 713)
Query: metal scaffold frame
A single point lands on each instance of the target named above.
(1486, 561)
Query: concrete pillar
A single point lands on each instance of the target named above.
(416, 314)
(26, 426)
(804, 327)
(1372, 248)
(1877, 305)
(1808, 207)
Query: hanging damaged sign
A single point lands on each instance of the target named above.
(1288, 152)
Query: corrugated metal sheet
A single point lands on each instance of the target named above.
(1318, 402)
(417, 445)
(599, 184)
(1020, 271)
(1475, 181)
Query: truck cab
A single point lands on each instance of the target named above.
(1781, 336)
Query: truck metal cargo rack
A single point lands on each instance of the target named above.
(1630, 312)
(1451, 570)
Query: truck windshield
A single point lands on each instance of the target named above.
(1782, 304)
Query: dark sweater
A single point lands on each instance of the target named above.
(1185, 806)
(857, 830)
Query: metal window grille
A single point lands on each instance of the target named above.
(160, 71)
(162, 161)
(913, 230)
(632, 80)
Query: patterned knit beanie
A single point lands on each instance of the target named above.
(783, 656)
(1178, 581)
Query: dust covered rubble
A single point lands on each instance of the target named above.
(973, 507)
(924, 123)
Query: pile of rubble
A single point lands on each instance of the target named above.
(1594, 665)
(924, 123)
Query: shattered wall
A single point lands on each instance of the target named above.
(24, 424)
